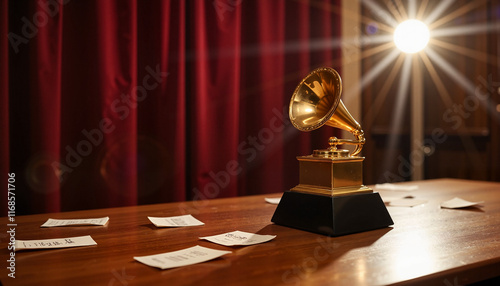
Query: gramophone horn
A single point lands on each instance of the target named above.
(316, 102)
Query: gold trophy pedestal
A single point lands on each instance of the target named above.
(331, 199)
(331, 176)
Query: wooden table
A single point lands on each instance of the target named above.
(427, 245)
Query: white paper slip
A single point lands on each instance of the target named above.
(406, 202)
(75, 222)
(188, 256)
(396, 187)
(457, 203)
(273, 201)
(238, 238)
(387, 199)
(55, 243)
(175, 221)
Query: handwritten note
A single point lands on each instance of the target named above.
(457, 203)
(238, 238)
(188, 256)
(273, 201)
(175, 221)
(75, 222)
(55, 243)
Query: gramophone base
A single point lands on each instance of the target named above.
(332, 216)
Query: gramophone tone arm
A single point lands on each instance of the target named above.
(359, 142)
(337, 141)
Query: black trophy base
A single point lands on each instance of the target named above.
(332, 216)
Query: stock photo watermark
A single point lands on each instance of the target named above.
(326, 247)
(29, 30)
(11, 225)
(121, 107)
(249, 149)
(455, 115)
(223, 6)
(120, 278)
(455, 282)
(351, 48)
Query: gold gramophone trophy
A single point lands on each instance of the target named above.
(330, 198)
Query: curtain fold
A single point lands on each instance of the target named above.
(98, 164)
(214, 75)
(117, 36)
(116, 103)
(162, 110)
(263, 97)
(298, 65)
(45, 108)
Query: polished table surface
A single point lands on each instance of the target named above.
(426, 245)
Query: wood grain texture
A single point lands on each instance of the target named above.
(427, 245)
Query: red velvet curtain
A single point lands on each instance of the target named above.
(112, 103)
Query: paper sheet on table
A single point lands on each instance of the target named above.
(406, 202)
(387, 198)
(75, 222)
(188, 256)
(273, 201)
(55, 243)
(238, 238)
(457, 203)
(396, 187)
(175, 221)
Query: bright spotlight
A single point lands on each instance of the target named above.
(411, 36)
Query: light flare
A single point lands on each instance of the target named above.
(411, 36)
